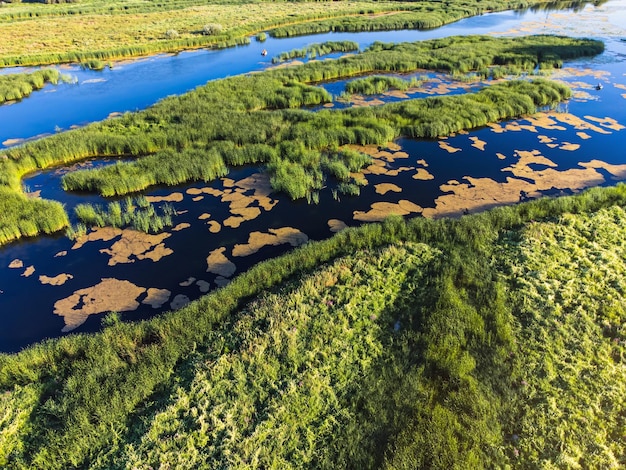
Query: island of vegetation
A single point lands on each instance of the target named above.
(14, 87)
(260, 119)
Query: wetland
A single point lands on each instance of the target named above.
(222, 228)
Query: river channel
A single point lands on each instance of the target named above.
(51, 286)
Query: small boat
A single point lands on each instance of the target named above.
(264, 52)
(599, 86)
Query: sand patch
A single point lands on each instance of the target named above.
(620, 86)
(181, 226)
(199, 191)
(479, 144)
(243, 214)
(204, 216)
(10, 142)
(134, 245)
(16, 264)
(381, 210)
(447, 147)
(60, 254)
(218, 263)
(273, 237)
(583, 135)
(109, 295)
(156, 298)
(423, 174)
(336, 225)
(55, 280)
(578, 123)
(204, 286)
(500, 156)
(197, 198)
(384, 188)
(422, 162)
(174, 197)
(179, 302)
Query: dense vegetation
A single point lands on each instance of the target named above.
(376, 84)
(137, 213)
(20, 85)
(317, 50)
(251, 119)
(492, 340)
(33, 33)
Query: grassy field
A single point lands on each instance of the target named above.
(34, 33)
(493, 340)
(253, 120)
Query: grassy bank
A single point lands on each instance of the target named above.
(17, 86)
(252, 119)
(317, 50)
(106, 30)
(492, 340)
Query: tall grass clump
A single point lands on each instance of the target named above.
(17, 86)
(137, 213)
(377, 84)
(317, 50)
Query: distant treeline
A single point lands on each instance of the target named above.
(251, 119)
(491, 341)
(20, 85)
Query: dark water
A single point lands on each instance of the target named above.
(27, 305)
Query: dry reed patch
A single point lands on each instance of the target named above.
(156, 298)
(181, 226)
(60, 254)
(103, 234)
(16, 264)
(29, 271)
(179, 302)
(188, 282)
(447, 147)
(58, 280)
(384, 188)
(336, 225)
(218, 263)
(423, 175)
(204, 286)
(274, 237)
(174, 197)
(134, 245)
(381, 210)
(109, 295)
(477, 143)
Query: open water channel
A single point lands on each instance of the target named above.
(50, 286)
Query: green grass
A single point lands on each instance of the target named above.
(17, 86)
(488, 341)
(317, 50)
(377, 84)
(137, 213)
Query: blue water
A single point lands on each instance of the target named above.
(137, 84)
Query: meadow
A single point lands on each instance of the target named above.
(492, 340)
(104, 30)
(262, 118)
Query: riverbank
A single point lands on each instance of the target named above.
(96, 30)
(480, 314)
